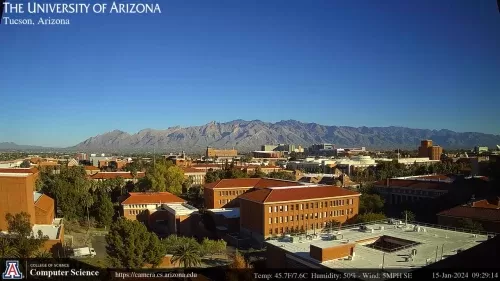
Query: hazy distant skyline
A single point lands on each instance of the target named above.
(427, 64)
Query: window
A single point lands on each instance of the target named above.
(276, 230)
(291, 207)
(281, 230)
(281, 208)
(270, 220)
(291, 218)
(317, 205)
(321, 204)
(220, 193)
(331, 214)
(270, 231)
(301, 206)
(302, 217)
(286, 208)
(276, 220)
(319, 215)
(297, 206)
(281, 219)
(331, 203)
(286, 218)
(275, 209)
(307, 216)
(270, 209)
(324, 214)
(312, 205)
(315, 215)
(307, 206)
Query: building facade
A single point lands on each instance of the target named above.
(410, 189)
(197, 176)
(212, 152)
(483, 212)
(163, 212)
(275, 211)
(427, 149)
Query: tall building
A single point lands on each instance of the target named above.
(426, 149)
(18, 194)
(211, 152)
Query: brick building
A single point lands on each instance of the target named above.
(409, 189)
(18, 194)
(222, 193)
(163, 212)
(485, 212)
(211, 152)
(274, 211)
(197, 176)
(127, 176)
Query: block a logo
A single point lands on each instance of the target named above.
(12, 271)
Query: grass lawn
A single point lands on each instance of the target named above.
(95, 261)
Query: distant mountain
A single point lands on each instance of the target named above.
(14, 146)
(250, 135)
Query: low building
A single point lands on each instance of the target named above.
(267, 154)
(163, 212)
(197, 176)
(386, 244)
(207, 167)
(275, 211)
(484, 212)
(224, 192)
(11, 164)
(410, 189)
(480, 149)
(127, 176)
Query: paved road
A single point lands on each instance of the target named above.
(99, 245)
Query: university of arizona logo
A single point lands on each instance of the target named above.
(12, 271)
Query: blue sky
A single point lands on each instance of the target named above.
(425, 64)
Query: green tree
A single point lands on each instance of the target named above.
(282, 175)
(187, 255)
(212, 247)
(368, 217)
(164, 176)
(21, 235)
(259, 173)
(370, 203)
(69, 188)
(130, 245)
(470, 224)
(43, 255)
(7, 248)
(408, 215)
(103, 210)
(25, 164)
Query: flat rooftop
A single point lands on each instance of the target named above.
(180, 209)
(50, 230)
(229, 213)
(428, 241)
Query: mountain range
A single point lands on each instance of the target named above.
(250, 135)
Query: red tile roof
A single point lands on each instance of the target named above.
(19, 170)
(91, 168)
(193, 170)
(152, 198)
(489, 204)
(114, 175)
(468, 212)
(203, 166)
(416, 184)
(251, 183)
(266, 195)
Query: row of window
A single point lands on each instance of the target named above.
(134, 212)
(281, 230)
(320, 215)
(231, 192)
(224, 201)
(140, 206)
(322, 204)
(417, 192)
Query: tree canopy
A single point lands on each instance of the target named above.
(370, 203)
(164, 176)
(368, 217)
(21, 241)
(282, 175)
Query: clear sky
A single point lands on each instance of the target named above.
(420, 64)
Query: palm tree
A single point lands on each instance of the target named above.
(7, 250)
(187, 254)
